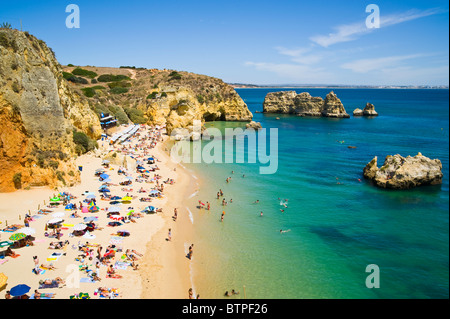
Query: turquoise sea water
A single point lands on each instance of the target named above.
(336, 230)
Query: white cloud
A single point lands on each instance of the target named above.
(299, 55)
(350, 32)
(368, 65)
(300, 74)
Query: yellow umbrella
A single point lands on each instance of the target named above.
(3, 279)
(126, 199)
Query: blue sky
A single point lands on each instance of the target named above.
(261, 42)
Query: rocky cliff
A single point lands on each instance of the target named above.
(38, 112)
(400, 172)
(303, 104)
(174, 98)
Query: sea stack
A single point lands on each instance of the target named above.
(400, 172)
(303, 104)
(369, 110)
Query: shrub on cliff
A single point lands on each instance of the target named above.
(136, 116)
(118, 90)
(89, 92)
(112, 78)
(83, 72)
(17, 180)
(86, 143)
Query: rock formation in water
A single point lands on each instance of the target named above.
(369, 110)
(400, 172)
(254, 125)
(303, 104)
(38, 112)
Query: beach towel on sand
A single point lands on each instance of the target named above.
(43, 296)
(54, 284)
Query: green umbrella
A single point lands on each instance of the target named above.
(17, 236)
(55, 199)
(5, 243)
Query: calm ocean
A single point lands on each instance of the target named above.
(335, 230)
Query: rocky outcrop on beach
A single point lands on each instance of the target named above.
(38, 112)
(400, 172)
(254, 125)
(369, 110)
(303, 104)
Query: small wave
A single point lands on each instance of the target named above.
(191, 217)
(193, 194)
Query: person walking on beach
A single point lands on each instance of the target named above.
(191, 251)
(175, 214)
(169, 235)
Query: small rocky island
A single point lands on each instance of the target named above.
(400, 172)
(369, 110)
(303, 104)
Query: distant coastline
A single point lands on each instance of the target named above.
(296, 86)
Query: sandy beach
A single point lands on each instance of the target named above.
(163, 269)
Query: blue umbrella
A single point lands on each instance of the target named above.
(103, 186)
(107, 180)
(154, 192)
(104, 176)
(90, 219)
(116, 197)
(104, 190)
(70, 206)
(19, 290)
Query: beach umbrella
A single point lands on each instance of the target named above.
(19, 290)
(70, 206)
(154, 192)
(130, 178)
(55, 221)
(90, 196)
(104, 176)
(5, 243)
(55, 199)
(105, 162)
(17, 236)
(114, 209)
(126, 199)
(84, 209)
(107, 180)
(79, 227)
(58, 214)
(103, 186)
(116, 197)
(3, 279)
(98, 170)
(90, 219)
(93, 209)
(28, 231)
(104, 190)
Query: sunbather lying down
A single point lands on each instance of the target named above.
(58, 244)
(39, 295)
(51, 282)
